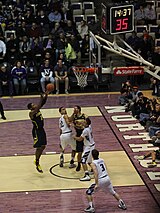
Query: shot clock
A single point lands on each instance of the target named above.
(119, 19)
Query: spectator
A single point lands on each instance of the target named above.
(152, 121)
(29, 17)
(133, 95)
(57, 29)
(155, 154)
(10, 23)
(21, 30)
(60, 45)
(154, 86)
(83, 29)
(66, 14)
(54, 16)
(70, 28)
(150, 14)
(46, 72)
(2, 50)
(35, 31)
(50, 56)
(139, 16)
(133, 40)
(140, 105)
(36, 50)
(12, 49)
(61, 76)
(93, 26)
(5, 80)
(70, 53)
(48, 43)
(19, 78)
(62, 57)
(43, 21)
(85, 47)
(24, 48)
(76, 47)
(146, 46)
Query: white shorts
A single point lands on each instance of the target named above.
(67, 139)
(87, 154)
(104, 184)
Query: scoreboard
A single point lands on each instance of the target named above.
(117, 19)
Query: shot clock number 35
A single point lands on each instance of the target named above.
(121, 19)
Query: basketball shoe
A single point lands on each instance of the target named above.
(38, 167)
(72, 165)
(89, 209)
(153, 164)
(85, 178)
(122, 205)
(141, 157)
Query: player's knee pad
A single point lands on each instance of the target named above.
(90, 190)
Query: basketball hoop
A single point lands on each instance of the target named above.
(81, 74)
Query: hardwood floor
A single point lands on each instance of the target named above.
(16, 139)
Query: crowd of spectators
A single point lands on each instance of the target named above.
(40, 33)
(146, 110)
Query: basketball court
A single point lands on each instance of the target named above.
(23, 189)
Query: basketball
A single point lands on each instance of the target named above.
(50, 87)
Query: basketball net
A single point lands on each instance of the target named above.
(81, 74)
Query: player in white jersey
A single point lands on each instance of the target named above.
(66, 137)
(102, 181)
(89, 144)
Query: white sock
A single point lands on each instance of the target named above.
(90, 204)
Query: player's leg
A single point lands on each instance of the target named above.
(72, 143)
(57, 85)
(73, 153)
(38, 153)
(61, 156)
(62, 147)
(79, 156)
(153, 164)
(43, 82)
(86, 157)
(142, 157)
(121, 202)
(89, 194)
(40, 142)
(79, 149)
(114, 193)
(2, 111)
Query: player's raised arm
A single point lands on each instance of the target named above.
(35, 108)
(43, 99)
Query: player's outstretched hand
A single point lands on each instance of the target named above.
(44, 95)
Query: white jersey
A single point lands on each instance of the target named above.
(88, 137)
(101, 168)
(63, 125)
